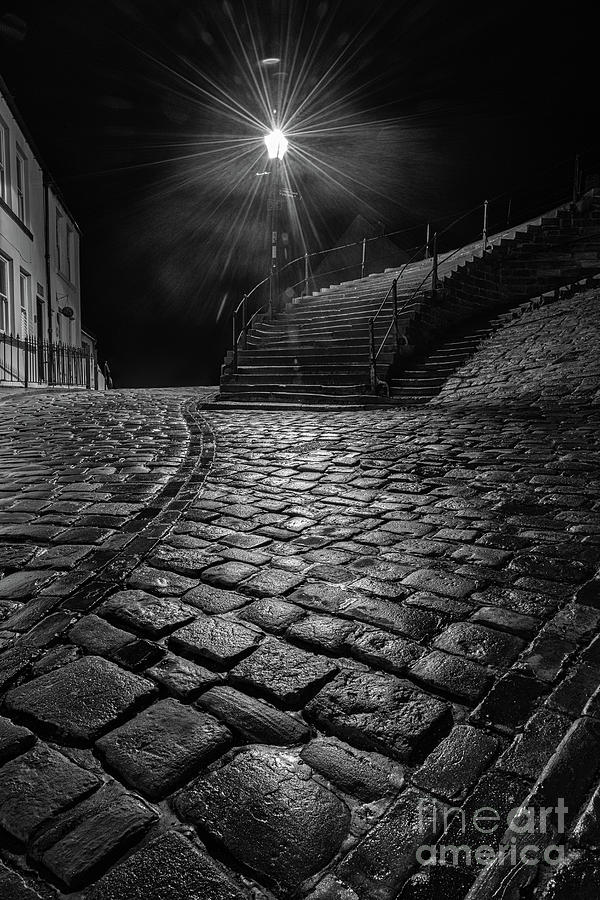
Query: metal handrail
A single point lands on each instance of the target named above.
(433, 272)
(260, 284)
(243, 331)
(304, 281)
(398, 277)
(375, 352)
(393, 290)
(486, 243)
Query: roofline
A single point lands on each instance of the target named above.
(48, 178)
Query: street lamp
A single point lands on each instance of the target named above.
(277, 145)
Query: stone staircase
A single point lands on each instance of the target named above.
(424, 380)
(316, 350)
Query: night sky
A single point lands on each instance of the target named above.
(147, 113)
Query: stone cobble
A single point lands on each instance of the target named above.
(263, 653)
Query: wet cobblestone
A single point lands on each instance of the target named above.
(215, 621)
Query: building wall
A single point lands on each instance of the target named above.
(30, 300)
(64, 273)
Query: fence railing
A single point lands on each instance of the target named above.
(28, 361)
(560, 183)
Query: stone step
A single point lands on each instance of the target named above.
(354, 316)
(414, 389)
(417, 376)
(321, 342)
(294, 388)
(335, 352)
(322, 365)
(305, 398)
(312, 347)
(354, 307)
(447, 355)
(337, 331)
(311, 361)
(302, 348)
(316, 376)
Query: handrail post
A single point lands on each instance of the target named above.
(434, 268)
(364, 258)
(395, 302)
(427, 239)
(235, 342)
(306, 274)
(373, 360)
(244, 314)
(508, 210)
(26, 346)
(484, 232)
(577, 178)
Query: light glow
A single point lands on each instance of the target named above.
(221, 109)
(277, 144)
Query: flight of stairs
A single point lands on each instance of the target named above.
(425, 378)
(419, 384)
(316, 350)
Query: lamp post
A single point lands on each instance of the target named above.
(277, 145)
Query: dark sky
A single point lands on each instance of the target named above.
(450, 102)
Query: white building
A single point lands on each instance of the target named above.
(39, 243)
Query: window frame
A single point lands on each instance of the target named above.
(70, 245)
(25, 299)
(4, 162)
(58, 234)
(5, 298)
(21, 185)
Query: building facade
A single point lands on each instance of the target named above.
(39, 242)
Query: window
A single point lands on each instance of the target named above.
(70, 266)
(21, 185)
(24, 295)
(4, 287)
(59, 218)
(4, 179)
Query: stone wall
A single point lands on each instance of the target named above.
(549, 354)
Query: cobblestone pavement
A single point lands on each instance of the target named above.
(254, 654)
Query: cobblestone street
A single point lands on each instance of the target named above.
(242, 651)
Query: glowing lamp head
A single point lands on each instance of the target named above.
(277, 144)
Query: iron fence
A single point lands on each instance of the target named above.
(28, 361)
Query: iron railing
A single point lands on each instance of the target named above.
(242, 320)
(484, 244)
(28, 361)
(517, 205)
(394, 323)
